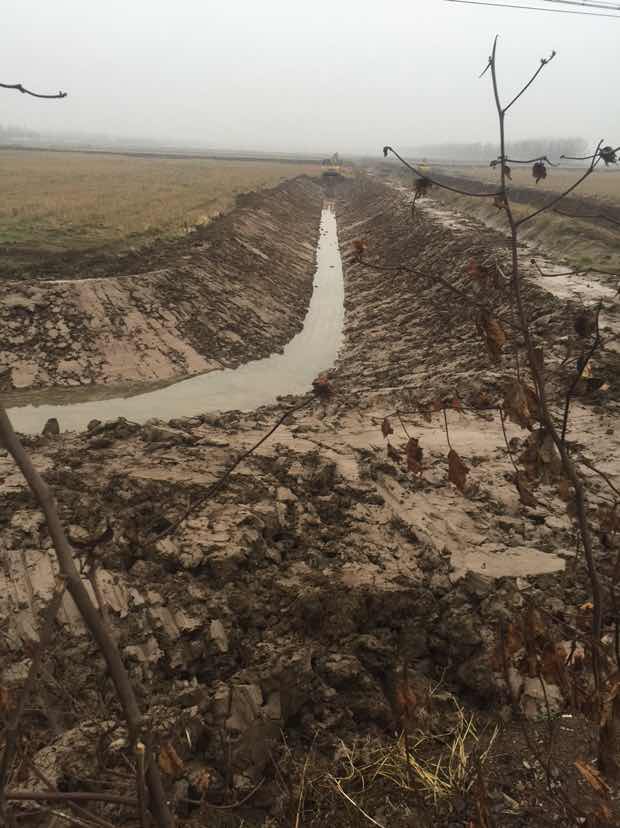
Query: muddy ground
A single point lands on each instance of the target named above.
(581, 231)
(287, 632)
(232, 291)
(589, 208)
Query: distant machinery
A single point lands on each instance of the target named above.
(333, 167)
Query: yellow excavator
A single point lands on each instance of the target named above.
(333, 166)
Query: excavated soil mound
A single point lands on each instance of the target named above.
(235, 290)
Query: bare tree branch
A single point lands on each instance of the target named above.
(45, 637)
(586, 157)
(546, 417)
(92, 619)
(543, 63)
(19, 88)
(434, 181)
(524, 161)
(580, 368)
(221, 481)
(549, 205)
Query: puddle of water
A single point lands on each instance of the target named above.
(449, 219)
(566, 285)
(256, 383)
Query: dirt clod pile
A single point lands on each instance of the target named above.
(333, 608)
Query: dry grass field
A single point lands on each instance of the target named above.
(603, 184)
(66, 202)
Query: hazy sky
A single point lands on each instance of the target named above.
(347, 75)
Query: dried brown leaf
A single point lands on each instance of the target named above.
(609, 518)
(539, 171)
(532, 402)
(495, 337)
(481, 399)
(540, 457)
(202, 780)
(386, 428)
(517, 403)
(507, 645)
(525, 495)
(547, 450)
(360, 246)
(169, 761)
(322, 387)
(607, 702)
(457, 470)
(609, 155)
(592, 776)
(5, 700)
(414, 456)
(406, 700)
(476, 271)
(565, 489)
(584, 324)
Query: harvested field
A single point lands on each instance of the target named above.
(329, 610)
(603, 184)
(57, 207)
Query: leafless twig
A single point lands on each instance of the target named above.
(88, 611)
(221, 481)
(45, 636)
(583, 362)
(388, 149)
(19, 88)
(560, 196)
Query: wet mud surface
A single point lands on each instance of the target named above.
(286, 632)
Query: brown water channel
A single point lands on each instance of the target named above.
(256, 383)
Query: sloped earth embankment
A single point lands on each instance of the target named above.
(283, 634)
(235, 290)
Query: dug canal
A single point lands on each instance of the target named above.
(253, 384)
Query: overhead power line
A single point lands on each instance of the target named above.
(588, 4)
(534, 8)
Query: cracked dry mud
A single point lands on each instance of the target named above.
(268, 634)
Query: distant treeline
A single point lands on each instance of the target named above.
(521, 150)
(12, 133)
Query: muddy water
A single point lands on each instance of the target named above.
(256, 383)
